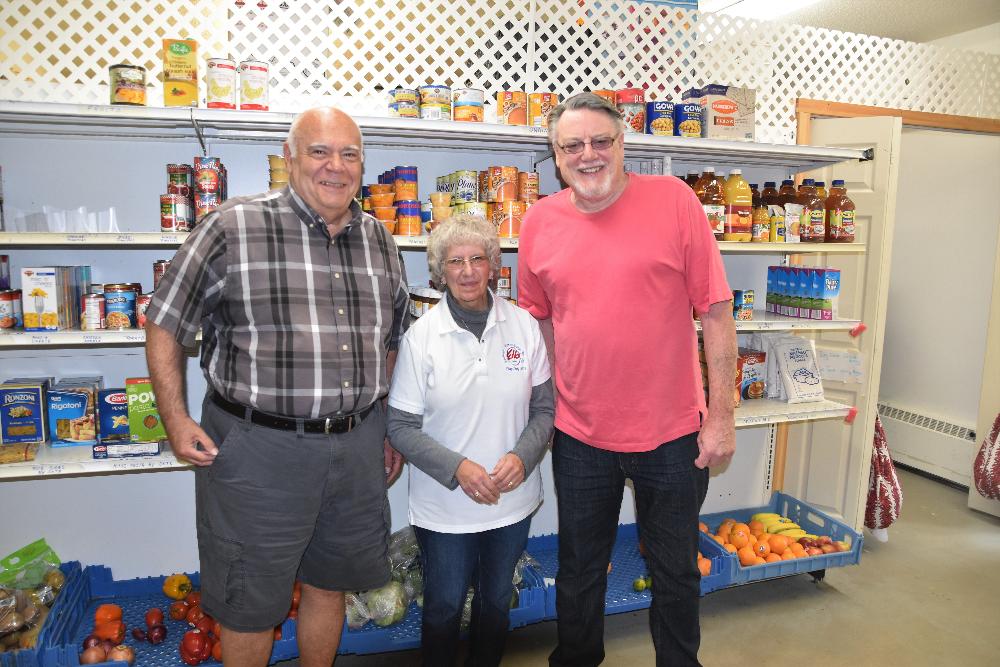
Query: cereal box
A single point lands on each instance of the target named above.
(180, 73)
(728, 112)
(112, 415)
(742, 304)
(22, 412)
(72, 414)
(144, 423)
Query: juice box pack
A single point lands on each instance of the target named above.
(144, 423)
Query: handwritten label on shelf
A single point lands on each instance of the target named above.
(125, 238)
(76, 238)
(760, 419)
(138, 337)
(41, 339)
(169, 239)
(91, 339)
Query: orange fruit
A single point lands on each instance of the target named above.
(742, 526)
(765, 537)
(739, 538)
(756, 526)
(779, 544)
(797, 548)
(719, 539)
(753, 540)
(731, 548)
(702, 526)
(747, 556)
(759, 561)
(788, 555)
(762, 549)
(728, 521)
(770, 558)
(757, 532)
(704, 566)
(723, 531)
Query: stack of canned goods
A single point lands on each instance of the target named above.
(277, 172)
(222, 76)
(210, 185)
(500, 194)
(401, 183)
(118, 305)
(191, 193)
(404, 103)
(515, 107)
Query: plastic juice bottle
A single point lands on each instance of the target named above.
(691, 178)
(784, 220)
(713, 200)
(813, 213)
(839, 214)
(769, 194)
(760, 219)
(821, 190)
(739, 208)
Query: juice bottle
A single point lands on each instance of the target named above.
(712, 200)
(760, 219)
(821, 190)
(839, 214)
(691, 178)
(769, 194)
(813, 213)
(786, 219)
(739, 208)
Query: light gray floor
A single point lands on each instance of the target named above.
(929, 596)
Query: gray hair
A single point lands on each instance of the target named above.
(589, 101)
(461, 229)
(293, 131)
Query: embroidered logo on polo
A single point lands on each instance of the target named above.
(514, 358)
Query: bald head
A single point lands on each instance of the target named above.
(319, 116)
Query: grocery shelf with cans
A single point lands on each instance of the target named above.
(128, 122)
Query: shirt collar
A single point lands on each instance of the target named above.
(449, 325)
(313, 219)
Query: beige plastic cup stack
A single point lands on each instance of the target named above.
(278, 172)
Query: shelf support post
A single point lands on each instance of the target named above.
(780, 455)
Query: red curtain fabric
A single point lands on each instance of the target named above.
(885, 497)
(986, 468)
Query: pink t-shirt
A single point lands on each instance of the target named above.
(619, 286)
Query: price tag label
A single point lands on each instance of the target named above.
(126, 238)
(91, 339)
(538, 130)
(511, 243)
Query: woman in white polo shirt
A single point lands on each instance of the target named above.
(471, 408)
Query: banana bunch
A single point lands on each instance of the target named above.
(777, 524)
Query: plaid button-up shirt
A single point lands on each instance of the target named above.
(293, 323)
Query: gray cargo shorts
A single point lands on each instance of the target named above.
(276, 505)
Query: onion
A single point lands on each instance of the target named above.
(92, 655)
(156, 633)
(91, 640)
(123, 653)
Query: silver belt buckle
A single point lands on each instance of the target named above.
(327, 425)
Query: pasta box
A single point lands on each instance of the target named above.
(144, 423)
(112, 415)
(22, 412)
(72, 414)
(124, 450)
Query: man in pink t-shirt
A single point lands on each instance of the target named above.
(612, 268)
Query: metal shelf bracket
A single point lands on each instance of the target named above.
(198, 133)
(867, 155)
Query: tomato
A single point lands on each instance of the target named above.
(154, 616)
(188, 658)
(196, 644)
(178, 610)
(205, 624)
(217, 651)
(193, 598)
(194, 614)
(107, 612)
(217, 629)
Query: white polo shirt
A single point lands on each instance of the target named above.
(474, 399)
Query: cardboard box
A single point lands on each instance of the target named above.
(144, 423)
(22, 412)
(112, 416)
(728, 112)
(751, 367)
(743, 304)
(124, 450)
(72, 414)
(826, 289)
(180, 73)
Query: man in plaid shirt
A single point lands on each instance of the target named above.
(301, 301)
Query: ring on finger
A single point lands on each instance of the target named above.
(476, 494)
(510, 484)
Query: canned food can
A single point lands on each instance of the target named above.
(484, 185)
(435, 94)
(253, 85)
(408, 219)
(426, 212)
(609, 95)
(404, 96)
(11, 316)
(539, 106)
(174, 213)
(687, 120)
(160, 267)
(92, 315)
(119, 306)
(404, 110)
(503, 183)
(467, 104)
(504, 283)
(405, 183)
(205, 202)
(512, 107)
(632, 105)
(473, 208)
(660, 119)
(208, 175)
(527, 185)
(127, 84)
(507, 216)
(220, 83)
(141, 304)
(435, 111)
(466, 186)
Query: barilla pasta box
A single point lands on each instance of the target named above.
(144, 423)
(728, 112)
(72, 414)
(112, 416)
(123, 450)
(22, 412)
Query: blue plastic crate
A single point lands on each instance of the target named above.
(812, 521)
(405, 635)
(96, 586)
(626, 565)
(54, 622)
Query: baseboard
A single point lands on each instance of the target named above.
(931, 476)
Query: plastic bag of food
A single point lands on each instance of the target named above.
(387, 605)
(413, 583)
(357, 611)
(526, 560)
(403, 551)
(28, 566)
(21, 618)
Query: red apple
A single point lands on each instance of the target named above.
(823, 539)
(814, 551)
(842, 546)
(828, 549)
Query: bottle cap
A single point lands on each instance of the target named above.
(769, 184)
(838, 182)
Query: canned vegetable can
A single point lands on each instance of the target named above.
(220, 83)
(127, 84)
(253, 85)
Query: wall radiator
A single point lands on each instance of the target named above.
(929, 443)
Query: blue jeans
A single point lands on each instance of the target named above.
(454, 561)
(669, 491)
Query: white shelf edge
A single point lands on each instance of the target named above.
(764, 411)
(790, 248)
(765, 321)
(42, 239)
(78, 460)
(9, 338)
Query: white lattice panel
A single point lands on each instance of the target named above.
(349, 52)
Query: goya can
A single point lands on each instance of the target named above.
(175, 213)
(119, 306)
(466, 186)
(220, 83)
(253, 85)
(92, 312)
(539, 106)
(11, 316)
(632, 105)
(160, 267)
(687, 120)
(660, 119)
(467, 104)
(127, 84)
(512, 107)
(141, 304)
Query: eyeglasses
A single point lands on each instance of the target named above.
(598, 144)
(456, 263)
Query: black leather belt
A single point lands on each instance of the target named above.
(329, 425)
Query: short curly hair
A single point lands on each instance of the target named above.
(461, 229)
